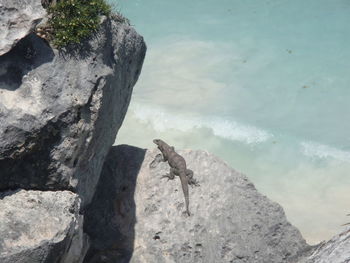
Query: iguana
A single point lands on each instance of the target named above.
(177, 167)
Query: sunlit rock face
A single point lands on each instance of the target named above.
(335, 250)
(138, 216)
(38, 226)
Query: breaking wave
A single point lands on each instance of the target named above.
(162, 120)
(317, 150)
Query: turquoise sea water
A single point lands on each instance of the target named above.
(263, 84)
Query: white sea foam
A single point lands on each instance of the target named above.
(162, 120)
(316, 150)
(238, 132)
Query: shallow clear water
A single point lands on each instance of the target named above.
(264, 84)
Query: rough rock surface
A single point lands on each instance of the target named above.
(336, 250)
(60, 113)
(40, 226)
(17, 19)
(136, 216)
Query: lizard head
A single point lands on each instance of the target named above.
(157, 141)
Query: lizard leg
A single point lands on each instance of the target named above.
(159, 158)
(171, 175)
(191, 180)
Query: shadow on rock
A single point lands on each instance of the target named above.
(111, 217)
(28, 54)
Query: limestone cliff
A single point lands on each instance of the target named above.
(60, 113)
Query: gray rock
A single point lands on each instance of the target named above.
(17, 19)
(336, 250)
(41, 227)
(60, 112)
(136, 216)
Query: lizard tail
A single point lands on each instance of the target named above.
(184, 184)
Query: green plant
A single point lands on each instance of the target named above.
(72, 21)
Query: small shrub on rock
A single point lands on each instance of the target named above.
(72, 21)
